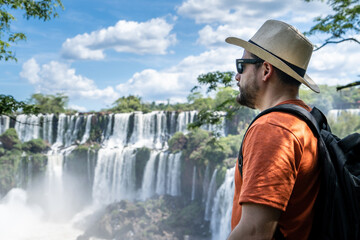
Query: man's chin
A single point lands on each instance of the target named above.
(240, 100)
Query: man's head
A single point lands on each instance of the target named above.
(282, 46)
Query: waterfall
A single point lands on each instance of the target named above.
(107, 131)
(54, 191)
(87, 129)
(121, 126)
(149, 129)
(168, 174)
(61, 129)
(218, 129)
(27, 127)
(193, 185)
(210, 195)
(160, 130)
(335, 113)
(184, 118)
(161, 174)
(20, 221)
(111, 170)
(206, 183)
(173, 186)
(148, 183)
(221, 211)
(4, 123)
(114, 175)
(47, 128)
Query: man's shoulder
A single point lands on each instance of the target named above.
(275, 120)
(282, 119)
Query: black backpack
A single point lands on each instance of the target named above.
(337, 207)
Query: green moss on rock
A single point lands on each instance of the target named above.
(9, 138)
(35, 146)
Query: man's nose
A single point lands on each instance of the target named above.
(237, 77)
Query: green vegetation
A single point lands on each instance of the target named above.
(8, 106)
(344, 20)
(10, 139)
(42, 10)
(345, 124)
(329, 98)
(35, 146)
(49, 103)
(201, 148)
(14, 163)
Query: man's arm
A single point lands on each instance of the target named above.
(257, 222)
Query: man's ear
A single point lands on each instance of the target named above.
(267, 71)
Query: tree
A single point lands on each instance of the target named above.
(225, 102)
(42, 10)
(9, 105)
(49, 103)
(344, 21)
(127, 104)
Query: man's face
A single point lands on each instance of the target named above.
(248, 85)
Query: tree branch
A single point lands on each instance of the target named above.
(335, 42)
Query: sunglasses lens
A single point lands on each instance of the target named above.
(240, 68)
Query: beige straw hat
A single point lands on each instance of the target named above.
(284, 47)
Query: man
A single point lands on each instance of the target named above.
(279, 181)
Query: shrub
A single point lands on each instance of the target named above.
(35, 146)
(9, 138)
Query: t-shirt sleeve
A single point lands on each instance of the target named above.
(271, 157)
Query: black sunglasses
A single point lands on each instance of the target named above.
(240, 63)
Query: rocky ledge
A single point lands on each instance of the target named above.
(160, 218)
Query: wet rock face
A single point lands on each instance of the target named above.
(160, 218)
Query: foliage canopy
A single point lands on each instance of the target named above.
(49, 103)
(342, 25)
(42, 10)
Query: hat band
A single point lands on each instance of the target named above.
(297, 69)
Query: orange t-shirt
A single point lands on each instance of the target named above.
(280, 170)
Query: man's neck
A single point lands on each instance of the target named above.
(273, 98)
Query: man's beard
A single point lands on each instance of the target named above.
(247, 95)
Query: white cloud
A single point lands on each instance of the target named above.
(30, 71)
(56, 77)
(241, 18)
(335, 64)
(151, 37)
(176, 82)
(246, 12)
(77, 108)
(208, 36)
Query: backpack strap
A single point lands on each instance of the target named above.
(320, 119)
(311, 120)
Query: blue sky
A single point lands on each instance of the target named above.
(98, 51)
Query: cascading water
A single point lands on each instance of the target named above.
(193, 185)
(210, 196)
(4, 123)
(335, 113)
(149, 180)
(27, 127)
(221, 211)
(112, 172)
(206, 182)
(87, 129)
(47, 128)
(114, 175)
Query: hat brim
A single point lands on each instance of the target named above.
(263, 54)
